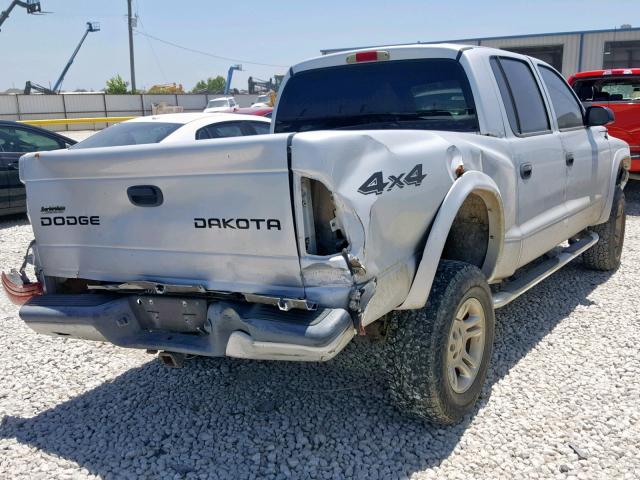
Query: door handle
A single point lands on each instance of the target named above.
(569, 159)
(13, 166)
(525, 170)
(145, 195)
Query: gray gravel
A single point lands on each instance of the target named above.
(562, 400)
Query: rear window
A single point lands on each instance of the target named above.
(217, 103)
(610, 89)
(431, 94)
(129, 133)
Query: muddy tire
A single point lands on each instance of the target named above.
(606, 254)
(437, 357)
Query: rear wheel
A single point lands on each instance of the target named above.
(606, 254)
(438, 356)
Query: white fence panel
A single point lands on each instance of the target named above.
(8, 107)
(149, 100)
(40, 107)
(42, 104)
(92, 105)
(193, 102)
(123, 105)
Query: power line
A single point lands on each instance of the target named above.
(219, 57)
(153, 50)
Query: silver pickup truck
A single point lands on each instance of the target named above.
(404, 192)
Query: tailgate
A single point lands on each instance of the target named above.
(224, 221)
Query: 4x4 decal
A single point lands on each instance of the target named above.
(376, 184)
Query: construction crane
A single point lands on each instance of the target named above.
(227, 85)
(264, 86)
(91, 27)
(31, 6)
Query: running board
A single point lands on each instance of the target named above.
(538, 273)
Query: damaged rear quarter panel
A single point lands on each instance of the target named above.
(385, 230)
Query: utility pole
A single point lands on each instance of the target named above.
(131, 60)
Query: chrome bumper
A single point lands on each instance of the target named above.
(191, 326)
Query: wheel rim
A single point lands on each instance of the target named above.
(466, 345)
(618, 233)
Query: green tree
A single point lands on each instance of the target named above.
(116, 85)
(210, 85)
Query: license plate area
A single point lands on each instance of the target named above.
(173, 314)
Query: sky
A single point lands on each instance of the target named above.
(277, 34)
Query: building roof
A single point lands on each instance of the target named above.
(504, 37)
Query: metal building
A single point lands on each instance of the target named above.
(569, 52)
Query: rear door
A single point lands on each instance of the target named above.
(586, 152)
(538, 158)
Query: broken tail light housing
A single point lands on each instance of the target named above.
(18, 288)
(323, 234)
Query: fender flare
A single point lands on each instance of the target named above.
(471, 182)
(621, 162)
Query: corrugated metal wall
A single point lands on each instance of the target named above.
(593, 51)
(32, 107)
(570, 47)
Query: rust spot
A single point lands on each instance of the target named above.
(459, 170)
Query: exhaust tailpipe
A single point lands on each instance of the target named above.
(172, 359)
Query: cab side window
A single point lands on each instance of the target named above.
(567, 109)
(521, 96)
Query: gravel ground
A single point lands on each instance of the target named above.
(561, 400)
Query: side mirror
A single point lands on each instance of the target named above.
(599, 116)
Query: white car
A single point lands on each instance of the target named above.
(177, 127)
(222, 104)
(262, 101)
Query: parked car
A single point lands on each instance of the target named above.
(16, 139)
(260, 111)
(222, 104)
(399, 185)
(176, 127)
(262, 101)
(618, 89)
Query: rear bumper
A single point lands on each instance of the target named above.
(234, 329)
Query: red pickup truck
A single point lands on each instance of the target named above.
(618, 89)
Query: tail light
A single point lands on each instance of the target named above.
(18, 288)
(369, 56)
